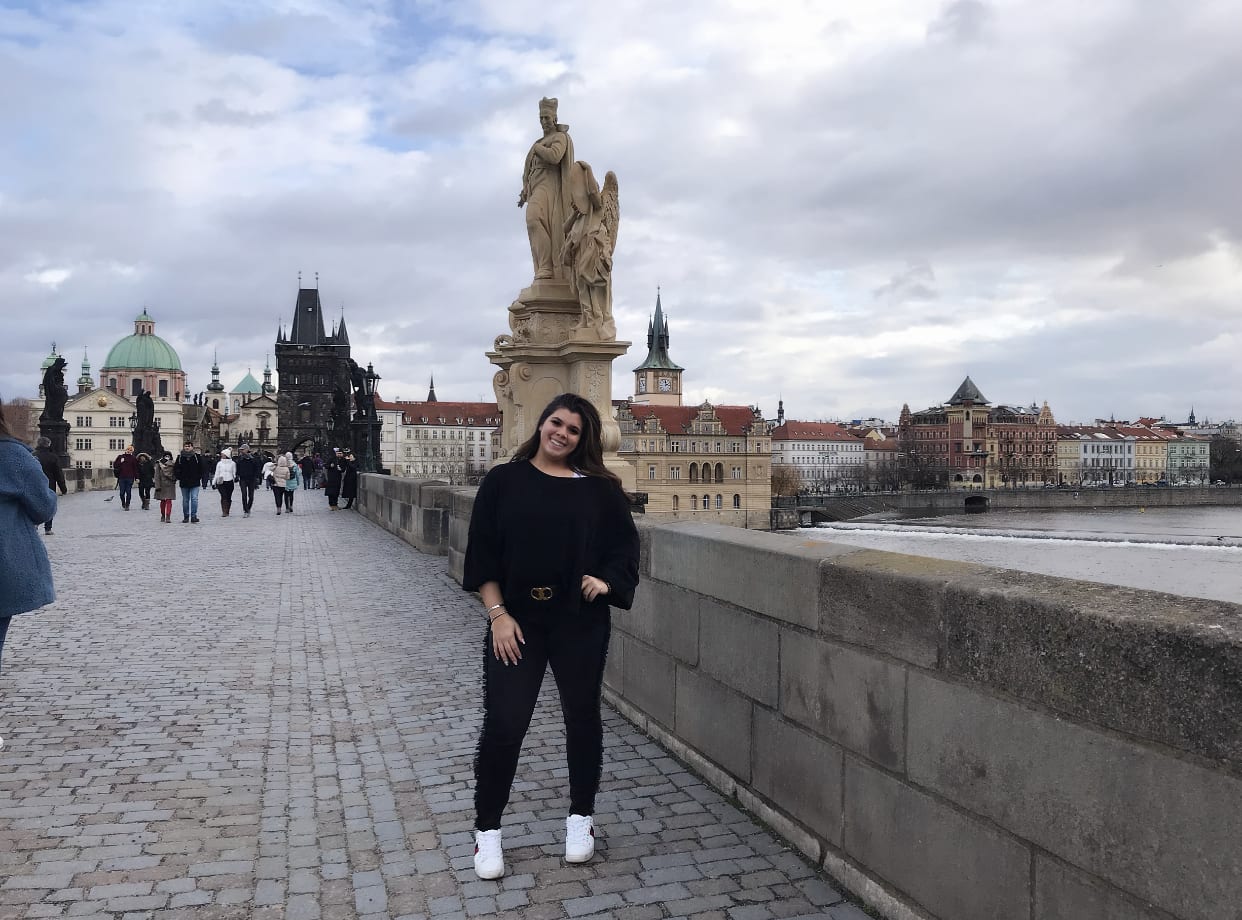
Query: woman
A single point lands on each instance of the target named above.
(349, 480)
(552, 546)
(332, 483)
(292, 483)
(146, 477)
(25, 503)
(223, 479)
(165, 486)
(282, 473)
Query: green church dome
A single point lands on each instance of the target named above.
(248, 385)
(144, 350)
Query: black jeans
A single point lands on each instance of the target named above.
(576, 646)
(144, 492)
(247, 495)
(4, 628)
(289, 499)
(226, 495)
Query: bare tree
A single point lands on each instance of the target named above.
(21, 420)
(785, 480)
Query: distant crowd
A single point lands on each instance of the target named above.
(192, 472)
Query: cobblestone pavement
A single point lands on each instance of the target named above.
(275, 717)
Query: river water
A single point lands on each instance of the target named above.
(1195, 552)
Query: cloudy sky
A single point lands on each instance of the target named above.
(848, 204)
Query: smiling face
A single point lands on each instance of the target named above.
(559, 435)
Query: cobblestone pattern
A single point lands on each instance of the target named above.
(276, 716)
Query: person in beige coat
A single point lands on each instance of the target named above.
(165, 486)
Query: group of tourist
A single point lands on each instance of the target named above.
(191, 472)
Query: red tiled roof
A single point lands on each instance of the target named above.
(415, 411)
(813, 431)
(676, 419)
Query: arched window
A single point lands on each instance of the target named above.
(215, 404)
(694, 472)
(720, 472)
(676, 502)
(737, 501)
(719, 502)
(707, 502)
(135, 387)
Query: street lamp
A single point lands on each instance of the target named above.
(369, 379)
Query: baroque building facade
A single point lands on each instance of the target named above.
(430, 439)
(702, 463)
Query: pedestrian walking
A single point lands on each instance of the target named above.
(165, 486)
(126, 468)
(248, 476)
(50, 464)
(307, 466)
(146, 479)
(25, 503)
(188, 469)
(268, 466)
(332, 479)
(284, 482)
(224, 479)
(552, 546)
(291, 483)
(209, 469)
(349, 480)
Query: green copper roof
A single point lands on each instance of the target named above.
(144, 352)
(143, 317)
(248, 385)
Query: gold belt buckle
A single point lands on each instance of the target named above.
(541, 594)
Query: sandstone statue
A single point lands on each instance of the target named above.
(590, 238)
(545, 192)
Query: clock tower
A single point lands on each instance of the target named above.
(657, 381)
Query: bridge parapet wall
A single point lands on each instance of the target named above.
(949, 740)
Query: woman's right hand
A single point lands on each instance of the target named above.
(507, 639)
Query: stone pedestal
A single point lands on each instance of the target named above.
(57, 431)
(550, 353)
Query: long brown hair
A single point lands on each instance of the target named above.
(4, 425)
(588, 456)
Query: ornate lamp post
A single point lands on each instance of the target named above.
(370, 379)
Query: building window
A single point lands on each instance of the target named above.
(707, 501)
(719, 502)
(83, 444)
(163, 389)
(737, 501)
(736, 472)
(651, 471)
(674, 472)
(676, 502)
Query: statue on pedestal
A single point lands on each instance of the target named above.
(564, 338)
(544, 192)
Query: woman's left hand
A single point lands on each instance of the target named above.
(593, 587)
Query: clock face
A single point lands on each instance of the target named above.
(642, 384)
(665, 384)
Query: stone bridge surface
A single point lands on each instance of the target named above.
(275, 717)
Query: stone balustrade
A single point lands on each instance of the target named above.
(948, 740)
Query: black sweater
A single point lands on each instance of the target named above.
(529, 529)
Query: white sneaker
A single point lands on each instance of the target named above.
(579, 838)
(489, 855)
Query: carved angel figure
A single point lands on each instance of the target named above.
(590, 238)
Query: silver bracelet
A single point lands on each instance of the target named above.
(488, 612)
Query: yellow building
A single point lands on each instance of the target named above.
(701, 463)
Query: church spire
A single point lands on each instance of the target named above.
(267, 375)
(85, 384)
(657, 342)
(215, 386)
(431, 394)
